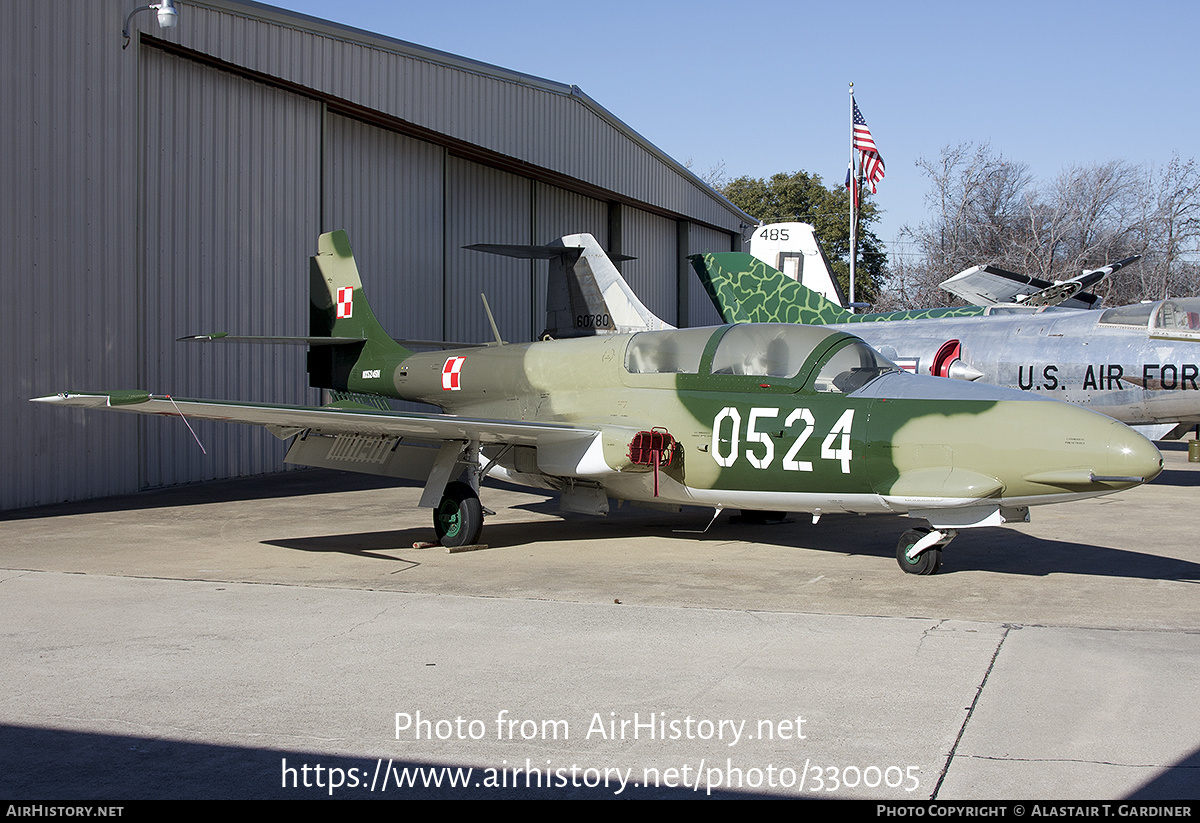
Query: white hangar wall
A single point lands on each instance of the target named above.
(179, 186)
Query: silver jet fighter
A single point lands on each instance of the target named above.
(763, 417)
(1139, 364)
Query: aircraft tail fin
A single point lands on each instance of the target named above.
(587, 294)
(746, 290)
(338, 310)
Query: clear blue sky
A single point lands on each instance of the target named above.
(763, 87)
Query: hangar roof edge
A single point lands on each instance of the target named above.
(251, 8)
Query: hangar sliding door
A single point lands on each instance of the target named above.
(231, 208)
(653, 240)
(385, 190)
(701, 311)
(485, 205)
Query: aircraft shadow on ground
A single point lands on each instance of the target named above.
(279, 485)
(360, 544)
(1177, 477)
(1179, 781)
(40, 764)
(1000, 550)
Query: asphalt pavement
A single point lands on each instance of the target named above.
(280, 637)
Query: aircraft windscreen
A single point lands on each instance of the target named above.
(1136, 315)
(666, 352)
(852, 367)
(765, 349)
(1007, 308)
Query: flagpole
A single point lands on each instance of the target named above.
(855, 183)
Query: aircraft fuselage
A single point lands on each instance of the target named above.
(1118, 370)
(882, 442)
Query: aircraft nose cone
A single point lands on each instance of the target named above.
(1132, 455)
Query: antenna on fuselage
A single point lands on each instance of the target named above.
(492, 320)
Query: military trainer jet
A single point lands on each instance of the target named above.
(1139, 364)
(757, 417)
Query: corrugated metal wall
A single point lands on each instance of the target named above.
(386, 191)
(150, 193)
(701, 311)
(68, 193)
(549, 125)
(233, 177)
(486, 206)
(652, 276)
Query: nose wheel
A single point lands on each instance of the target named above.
(458, 518)
(920, 550)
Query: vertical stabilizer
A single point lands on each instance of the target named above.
(593, 288)
(338, 309)
(586, 295)
(746, 290)
(792, 249)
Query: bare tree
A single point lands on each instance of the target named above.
(978, 197)
(987, 209)
(714, 177)
(1176, 230)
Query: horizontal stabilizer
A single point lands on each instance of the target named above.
(284, 341)
(318, 341)
(586, 293)
(537, 252)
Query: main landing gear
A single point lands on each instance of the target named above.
(458, 518)
(920, 550)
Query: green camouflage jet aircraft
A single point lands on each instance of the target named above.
(760, 417)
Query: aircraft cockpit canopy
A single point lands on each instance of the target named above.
(765, 349)
(1178, 318)
(851, 368)
(667, 352)
(762, 350)
(1137, 314)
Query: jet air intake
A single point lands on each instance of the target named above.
(948, 363)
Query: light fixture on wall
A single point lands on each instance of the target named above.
(168, 17)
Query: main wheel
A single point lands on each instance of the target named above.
(458, 519)
(927, 562)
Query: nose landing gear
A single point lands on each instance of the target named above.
(920, 550)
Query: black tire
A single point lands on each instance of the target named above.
(928, 562)
(458, 519)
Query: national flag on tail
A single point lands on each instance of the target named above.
(870, 159)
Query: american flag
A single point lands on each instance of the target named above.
(870, 161)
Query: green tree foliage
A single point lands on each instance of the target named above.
(803, 197)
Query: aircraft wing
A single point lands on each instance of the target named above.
(989, 285)
(412, 445)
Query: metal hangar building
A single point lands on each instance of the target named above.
(178, 186)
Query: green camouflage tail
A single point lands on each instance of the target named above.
(338, 309)
(746, 290)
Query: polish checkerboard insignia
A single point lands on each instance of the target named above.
(345, 302)
(451, 370)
